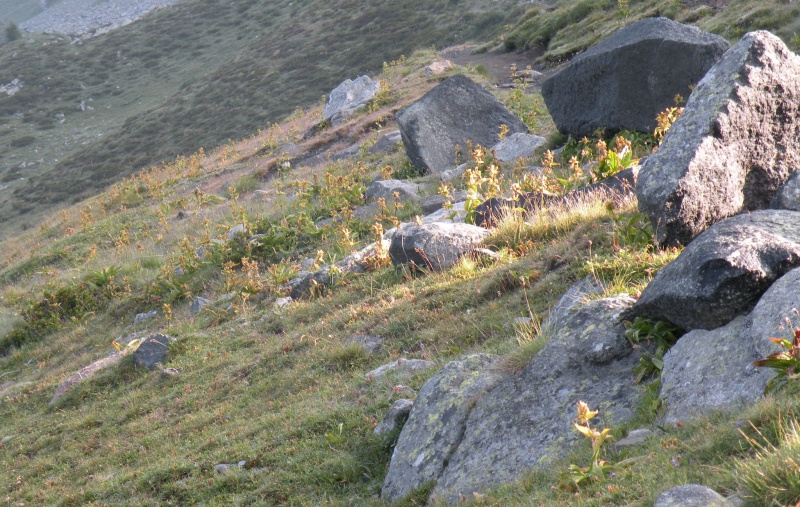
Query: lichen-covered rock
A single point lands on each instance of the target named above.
(691, 495)
(527, 419)
(346, 98)
(776, 313)
(724, 272)
(574, 298)
(435, 246)
(735, 144)
(453, 113)
(436, 424)
(708, 370)
(623, 82)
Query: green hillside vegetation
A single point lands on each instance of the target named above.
(190, 76)
(277, 387)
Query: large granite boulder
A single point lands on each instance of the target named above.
(473, 443)
(349, 96)
(711, 370)
(436, 424)
(623, 82)
(436, 246)
(776, 314)
(724, 272)
(734, 146)
(454, 112)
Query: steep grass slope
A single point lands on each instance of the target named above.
(193, 75)
(278, 387)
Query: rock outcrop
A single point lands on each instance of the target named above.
(525, 419)
(734, 146)
(623, 82)
(724, 272)
(436, 424)
(455, 112)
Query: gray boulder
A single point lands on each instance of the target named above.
(346, 98)
(517, 146)
(623, 82)
(734, 146)
(145, 316)
(776, 314)
(454, 112)
(387, 142)
(198, 303)
(152, 352)
(455, 215)
(386, 189)
(788, 194)
(691, 495)
(436, 424)
(724, 272)
(395, 417)
(526, 419)
(435, 246)
(436, 202)
(574, 298)
(708, 370)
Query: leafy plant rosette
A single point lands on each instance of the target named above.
(786, 363)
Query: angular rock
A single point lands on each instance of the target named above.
(152, 352)
(724, 271)
(402, 365)
(456, 111)
(386, 189)
(623, 82)
(708, 370)
(145, 316)
(691, 495)
(346, 98)
(235, 231)
(435, 246)
(574, 298)
(387, 142)
(395, 417)
(776, 314)
(438, 68)
(454, 173)
(517, 146)
(526, 419)
(198, 304)
(788, 195)
(734, 146)
(370, 344)
(633, 439)
(436, 424)
(224, 468)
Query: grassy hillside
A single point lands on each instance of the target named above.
(278, 387)
(190, 76)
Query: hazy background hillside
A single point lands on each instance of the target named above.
(192, 75)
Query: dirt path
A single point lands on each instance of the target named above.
(498, 63)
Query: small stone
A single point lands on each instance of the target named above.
(145, 316)
(7, 439)
(282, 303)
(401, 366)
(395, 417)
(370, 344)
(404, 391)
(198, 304)
(634, 438)
(235, 231)
(152, 352)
